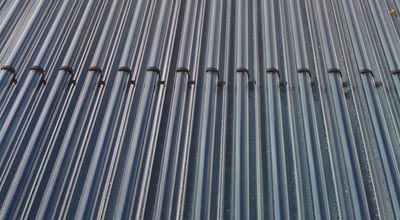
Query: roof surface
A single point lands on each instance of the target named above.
(201, 109)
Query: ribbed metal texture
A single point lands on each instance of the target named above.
(200, 109)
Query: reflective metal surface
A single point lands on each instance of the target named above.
(178, 109)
